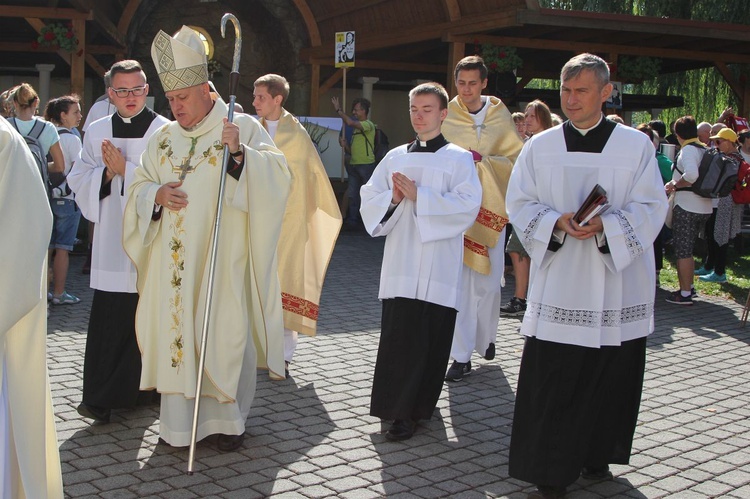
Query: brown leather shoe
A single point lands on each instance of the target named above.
(229, 443)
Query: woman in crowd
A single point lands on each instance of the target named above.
(537, 119)
(65, 114)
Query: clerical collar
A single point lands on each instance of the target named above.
(590, 140)
(431, 145)
(584, 131)
(134, 127)
(130, 120)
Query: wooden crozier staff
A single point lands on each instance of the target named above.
(234, 80)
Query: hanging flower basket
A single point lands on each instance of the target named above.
(501, 59)
(57, 35)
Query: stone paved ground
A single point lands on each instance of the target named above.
(311, 435)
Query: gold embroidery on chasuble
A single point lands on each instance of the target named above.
(187, 165)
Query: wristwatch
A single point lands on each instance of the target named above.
(237, 154)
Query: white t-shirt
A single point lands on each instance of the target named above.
(688, 162)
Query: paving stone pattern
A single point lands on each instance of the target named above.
(311, 436)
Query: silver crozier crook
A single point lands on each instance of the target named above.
(234, 80)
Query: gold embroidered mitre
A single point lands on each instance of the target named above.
(180, 60)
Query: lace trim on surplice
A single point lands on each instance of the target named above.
(635, 248)
(590, 318)
(530, 230)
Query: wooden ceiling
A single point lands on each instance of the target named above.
(397, 40)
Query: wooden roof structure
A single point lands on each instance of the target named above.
(397, 41)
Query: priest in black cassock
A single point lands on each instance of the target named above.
(100, 178)
(581, 375)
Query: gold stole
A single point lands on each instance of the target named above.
(499, 146)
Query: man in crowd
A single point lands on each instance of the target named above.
(421, 197)
(111, 152)
(312, 218)
(362, 154)
(691, 211)
(29, 459)
(583, 361)
(169, 221)
(483, 125)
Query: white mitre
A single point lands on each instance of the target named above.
(180, 60)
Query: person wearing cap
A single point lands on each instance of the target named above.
(726, 220)
(169, 222)
(100, 179)
(312, 218)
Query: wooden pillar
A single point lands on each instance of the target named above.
(314, 89)
(456, 51)
(78, 60)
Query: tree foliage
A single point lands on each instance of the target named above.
(705, 91)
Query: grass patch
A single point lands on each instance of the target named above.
(738, 273)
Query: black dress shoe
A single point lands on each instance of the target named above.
(401, 429)
(229, 443)
(490, 353)
(547, 492)
(600, 472)
(98, 414)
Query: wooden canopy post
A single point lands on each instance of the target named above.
(78, 60)
(314, 89)
(456, 52)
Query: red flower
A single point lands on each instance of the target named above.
(35, 44)
(493, 65)
(49, 36)
(69, 34)
(502, 55)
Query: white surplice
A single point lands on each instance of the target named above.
(423, 253)
(580, 295)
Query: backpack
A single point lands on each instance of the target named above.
(717, 174)
(741, 191)
(381, 147)
(56, 179)
(35, 146)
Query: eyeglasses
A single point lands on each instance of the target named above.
(123, 92)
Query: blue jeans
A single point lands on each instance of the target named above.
(359, 175)
(66, 217)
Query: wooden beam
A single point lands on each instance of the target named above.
(386, 65)
(331, 81)
(78, 60)
(43, 13)
(351, 8)
(395, 38)
(639, 24)
(123, 25)
(456, 52)
(522, 84)
(577, 47)
(314, 89)
(310, 23)
(94, 64)
(109, 29)
(731, 81)
(452, 9)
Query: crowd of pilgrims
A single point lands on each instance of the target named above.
(489, 254)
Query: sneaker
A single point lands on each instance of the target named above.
(677, 298)
(49, 296)
(458, 370)
(693, 292)
(702, 271)
(65, 299)
(713, 277)
(514, 308)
